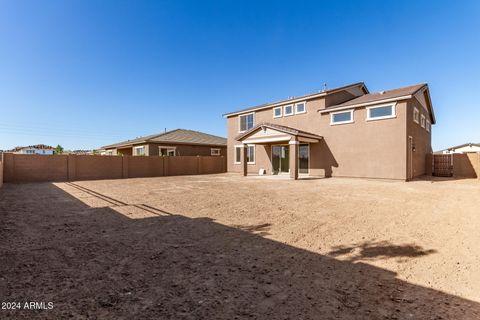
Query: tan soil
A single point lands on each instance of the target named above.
(228, 247)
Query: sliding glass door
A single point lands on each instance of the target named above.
(280, 159)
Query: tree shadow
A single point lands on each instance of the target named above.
(379, 250)
(95, 263)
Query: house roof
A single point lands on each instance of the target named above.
(468, 144)
(177, 136)
(297, 99)
(285, 129)
(36, 146)
(385, 96)
(381, 95)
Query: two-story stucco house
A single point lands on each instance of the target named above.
(342, 132)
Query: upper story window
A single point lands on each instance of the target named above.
(429, 126)
(416, 115)
(139, 151)
(300, 108)
(214, 152)
(277, 112)
(246, 122)
(341, 117)
(422, 121)
(288, 110)
(381, 112)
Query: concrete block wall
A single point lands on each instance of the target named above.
(39, 168)
(1, 170)
(466, 165)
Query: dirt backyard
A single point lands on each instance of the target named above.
(229, 247)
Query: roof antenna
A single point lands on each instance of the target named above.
(324, 87)
(165, 130)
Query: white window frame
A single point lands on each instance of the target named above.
(422, 121)
(214, 151)
(238, 146)
(416, 115)
(393, 115)
(281, 112)
(428, 126)
(304, 107)
(254, 153)
(285, 114)
(139, 147)
(341, 122)
(244, 115)
(170, 151)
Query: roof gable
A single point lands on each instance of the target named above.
(271, 129)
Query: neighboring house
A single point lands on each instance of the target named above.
(343, 132)
(36, 149)
(179, 142)
(463, 148)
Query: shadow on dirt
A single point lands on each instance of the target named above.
(379, 250)
(94, 263)
(259, 229)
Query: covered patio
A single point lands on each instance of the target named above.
(288, 146)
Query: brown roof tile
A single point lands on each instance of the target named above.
(180, 136)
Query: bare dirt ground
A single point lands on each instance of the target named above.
(228, 247)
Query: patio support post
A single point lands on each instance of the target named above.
(244, 159)
(293, 145)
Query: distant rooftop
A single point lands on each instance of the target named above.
(180, 136)
(36, 146)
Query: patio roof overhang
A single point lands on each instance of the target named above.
(270, 133)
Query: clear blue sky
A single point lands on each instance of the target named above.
(88, 73)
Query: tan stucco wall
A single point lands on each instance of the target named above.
(422, 140)
(375, 149)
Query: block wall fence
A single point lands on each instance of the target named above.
(41, 168)
(1, 170)
(465, 165)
